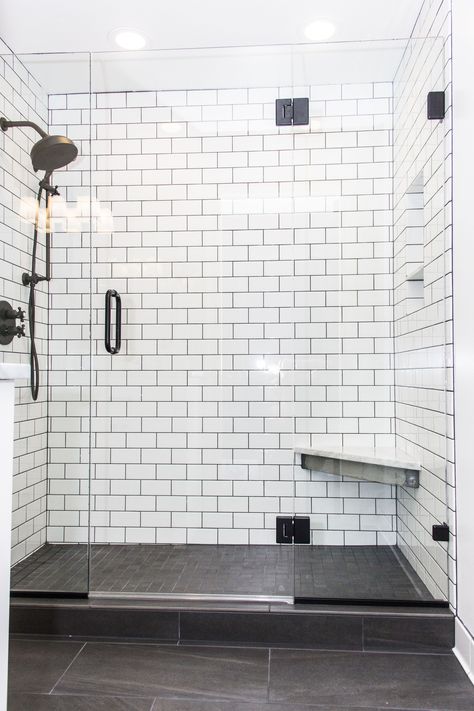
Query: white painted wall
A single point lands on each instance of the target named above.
(7, 400)
(463, 157)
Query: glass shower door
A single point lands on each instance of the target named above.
(193, 457)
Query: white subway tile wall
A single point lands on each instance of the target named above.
(254, 265)
(423, 309)
(263, 274)
(22, 98)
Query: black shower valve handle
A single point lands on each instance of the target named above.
(18, 314)
(12, 331)
(47, 187)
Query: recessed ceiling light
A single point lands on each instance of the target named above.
(129, 39)
(319, 30)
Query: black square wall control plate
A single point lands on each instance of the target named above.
(292, 112)
(300, 112)
(284, 529)
(436, 105)
(441, 532)
(301, 530)
(293, 529)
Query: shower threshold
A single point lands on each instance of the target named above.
(192, 597)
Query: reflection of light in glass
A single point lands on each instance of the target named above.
(171, 129)
(129, 39)
(28, 210)
(68, 216)
(319, 30)
(273, 368)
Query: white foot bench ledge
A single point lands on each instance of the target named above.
(385, 466)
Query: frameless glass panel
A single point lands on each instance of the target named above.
(422, 334)
(371, 431)
(51, 501)
(193, 454)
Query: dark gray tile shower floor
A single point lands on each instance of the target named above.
(47, 675)
(365, 572)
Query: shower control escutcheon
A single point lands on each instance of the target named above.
(8, 326)
(12, 314)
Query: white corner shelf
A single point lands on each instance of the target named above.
(384, 466)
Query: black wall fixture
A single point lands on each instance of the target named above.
(109, 295)
(293, 529)
(292, 112)
(436, 105)
(8, 327)
(441, 532)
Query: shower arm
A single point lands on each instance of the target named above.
(45, 184)
(5, 125)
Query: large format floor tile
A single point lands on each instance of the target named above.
(36, 666)
(173, 672)
(37, 702)
(185, 705)
(342, 679)
(69, 676)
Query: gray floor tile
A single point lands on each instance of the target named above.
(37, 702)
(185, 705)
(362, 572)
(168, 672)
(434, 682)
(36, 665)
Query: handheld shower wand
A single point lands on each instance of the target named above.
(48, 154)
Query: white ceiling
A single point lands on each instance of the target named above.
(85, 25)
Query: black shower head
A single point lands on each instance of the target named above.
(50, 152)
(53, 152)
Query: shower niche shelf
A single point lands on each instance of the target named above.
(417, 274)
(384, 466)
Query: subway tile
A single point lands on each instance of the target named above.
(256, 299)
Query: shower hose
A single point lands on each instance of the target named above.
(33, 280)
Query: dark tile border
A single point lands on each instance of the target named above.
(303, 628)
(429, 635)
(273, 629)
(159, 625)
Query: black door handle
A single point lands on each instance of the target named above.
(111, 293)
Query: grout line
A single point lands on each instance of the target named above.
(204, 644)
(67, 669)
